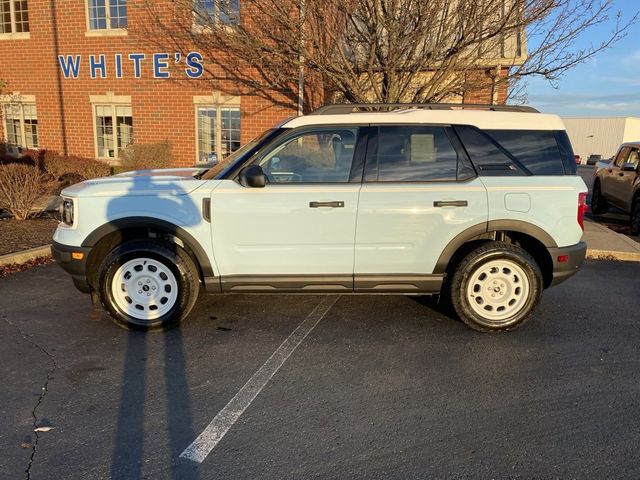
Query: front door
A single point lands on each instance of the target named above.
(298, 232)
(612, 176)
(419, 193)
(627, 179)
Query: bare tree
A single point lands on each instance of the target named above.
(382, 50)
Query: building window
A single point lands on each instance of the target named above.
(114, 130)
(218, 132)
(21, 124)
(14, 16)
(107, 14)
(209, 12)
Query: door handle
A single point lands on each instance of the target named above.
(326, 204)
(450, 203)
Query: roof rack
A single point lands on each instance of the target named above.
(377, 107)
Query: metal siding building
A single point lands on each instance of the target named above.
(601, 135)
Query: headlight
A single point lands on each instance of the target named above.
(66, 211)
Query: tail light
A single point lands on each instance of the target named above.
(582, 208)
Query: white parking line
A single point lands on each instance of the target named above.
(224, 420)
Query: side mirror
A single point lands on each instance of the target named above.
(253, 177)
(629, 167)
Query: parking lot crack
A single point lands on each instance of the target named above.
(43, 393)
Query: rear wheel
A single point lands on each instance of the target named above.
(635, 217)
(148, 285)
(496, 287)
(599, 204)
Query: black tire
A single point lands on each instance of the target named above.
(635, 217)
(172, 266)
(467, 271)
(599, 204)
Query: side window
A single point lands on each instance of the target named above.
(622, 156)
(633, 158)
(486, 154)
(537, 150)
(415, 154)
(319, 156)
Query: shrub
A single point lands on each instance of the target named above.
(28, 157)
(147, 157)
(20, 186)
(66, 166)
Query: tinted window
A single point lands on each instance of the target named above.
(319, 156)
(486, 154)
(415, 154)
(622, 156)
(536, 150)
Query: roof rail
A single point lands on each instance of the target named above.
(377, 107)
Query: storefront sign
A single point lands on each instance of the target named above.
(73, 66)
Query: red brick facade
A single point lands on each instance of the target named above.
(162, 109)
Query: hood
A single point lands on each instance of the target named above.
(170, 181)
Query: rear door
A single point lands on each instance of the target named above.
(419, 192)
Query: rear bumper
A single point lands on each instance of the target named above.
(564, 270)
(62, 254)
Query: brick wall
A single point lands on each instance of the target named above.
(163, 109)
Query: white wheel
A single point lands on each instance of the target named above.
(495, 287)
(498, 290)
(144, 288)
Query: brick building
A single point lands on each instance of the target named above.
(79, 80)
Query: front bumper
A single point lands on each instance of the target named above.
(76, 267)
(563, 270)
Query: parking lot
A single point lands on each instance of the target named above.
(382, 387)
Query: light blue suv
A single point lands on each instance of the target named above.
(480, 205)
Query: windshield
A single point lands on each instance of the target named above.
(237, 156)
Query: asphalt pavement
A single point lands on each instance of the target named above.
(382, 387)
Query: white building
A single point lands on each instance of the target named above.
(601, 135)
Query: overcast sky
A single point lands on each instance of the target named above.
(608, 85)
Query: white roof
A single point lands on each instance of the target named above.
(483, 119)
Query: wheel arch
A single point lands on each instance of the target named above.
(103, 239)
(530, 237)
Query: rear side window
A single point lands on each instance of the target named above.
(537, 150)
(489, 158)
(416, 154)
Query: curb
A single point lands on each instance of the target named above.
(25, 255)
(594, 254)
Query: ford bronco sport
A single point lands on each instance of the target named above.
(479, 205)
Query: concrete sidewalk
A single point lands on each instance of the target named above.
(605, 244)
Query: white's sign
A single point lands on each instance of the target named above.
(71, 65)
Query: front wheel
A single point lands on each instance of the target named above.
(496, 287)
(599, 204)
(148, 285)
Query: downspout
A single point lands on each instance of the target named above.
(56, 48)
(301, 12)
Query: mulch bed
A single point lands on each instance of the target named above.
(8, 269)
(18, 235)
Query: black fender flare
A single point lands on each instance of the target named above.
(492, 226)
(154, 224)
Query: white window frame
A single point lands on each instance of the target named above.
(101, 32)
(217, 101)
(199, 28)
(113, 101)
(13, 35)
(21, 101)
